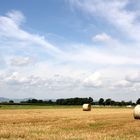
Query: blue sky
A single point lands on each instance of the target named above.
(54, 19)
(68, 48)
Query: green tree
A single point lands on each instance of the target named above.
(138, 101)
(11, 101)
(101, 101)
(108, 101)
(90, 100)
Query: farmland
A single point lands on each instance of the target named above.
(67, 123)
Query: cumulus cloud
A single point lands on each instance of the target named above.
(133, 77)
(16, 16)
(20, 61)
(54, 82)
(15, 79)
(80, 67)
(101, 37)
(93, 80)
(122, 84)
(131, 82)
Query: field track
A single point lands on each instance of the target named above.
(69, 124)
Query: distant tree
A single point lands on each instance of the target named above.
(138, 101)
(74, 101)
(130, 103)
(108, 101)
(112, 103)
(40, 101)
(50, 102)
(101, 101)
(123, 103)
(60, 101)
(11, 101)
(90, 100)
(34, 101)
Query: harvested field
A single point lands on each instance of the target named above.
(69, 124)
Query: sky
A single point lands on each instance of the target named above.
(70, 48)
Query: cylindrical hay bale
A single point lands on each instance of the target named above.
(137, 112)
(86, 107)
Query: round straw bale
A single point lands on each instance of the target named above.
(86, 107)
(136, 112)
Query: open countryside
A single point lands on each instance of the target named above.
(69, 123)
(69, 119)
(70, 70)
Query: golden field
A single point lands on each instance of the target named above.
(69, 124)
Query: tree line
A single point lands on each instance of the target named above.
(68, 101)
(80, 101)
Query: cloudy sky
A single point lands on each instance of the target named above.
(70, 48)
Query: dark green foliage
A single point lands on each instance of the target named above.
(138, 101)
(69, 101)
(11, 101)
(108, 102)
(101, 101)
(74, 101)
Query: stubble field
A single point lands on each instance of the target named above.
(69, 124)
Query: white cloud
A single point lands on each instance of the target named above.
(101, 37)
(54, 82)
(115, 12)
(10, 29)
(122, 84)
(93, 80)
(20, 61)
(93, 55)
(16, 16)
(15, 79)
(133, 77)
(74, 67)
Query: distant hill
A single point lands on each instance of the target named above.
(2, 99)
(19, 100)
